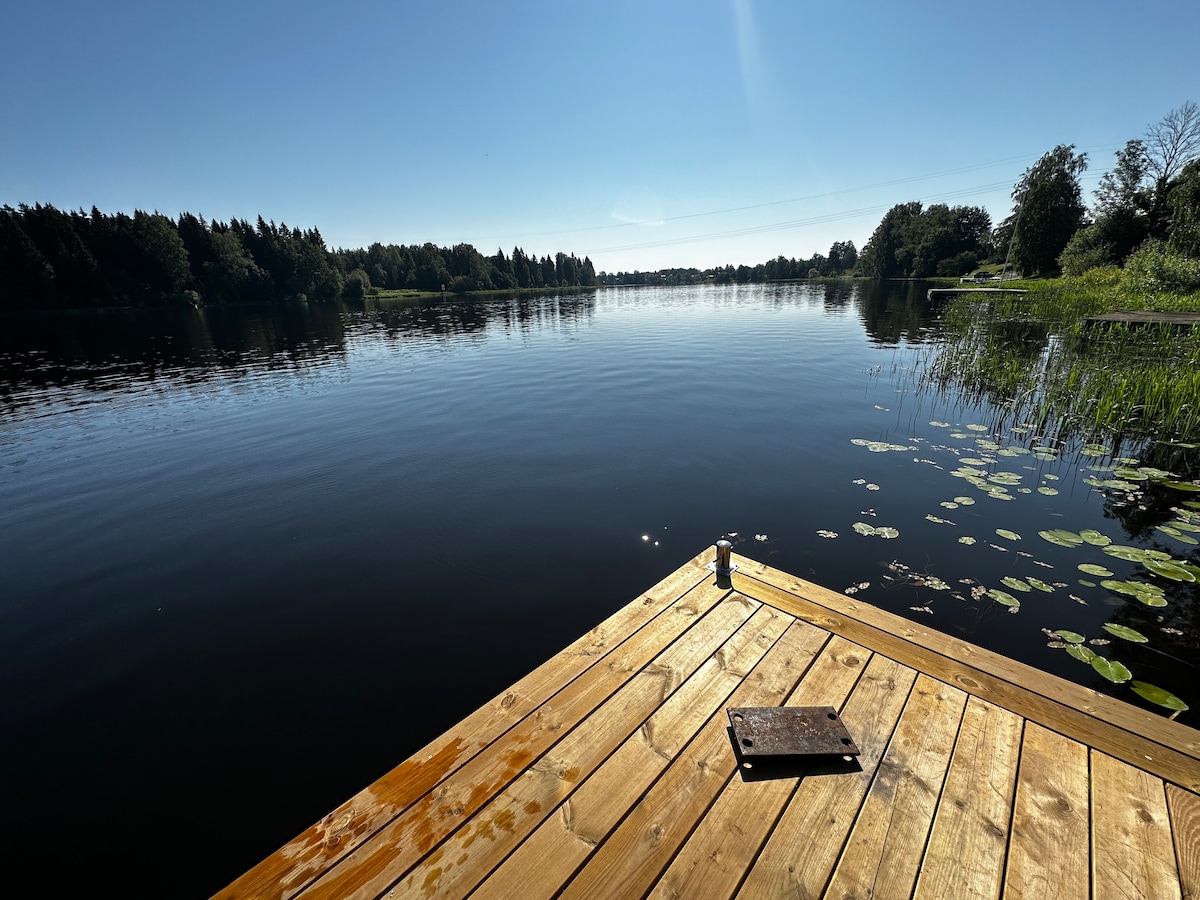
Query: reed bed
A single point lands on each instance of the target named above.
(1030, 355)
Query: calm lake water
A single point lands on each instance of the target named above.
(254, 558)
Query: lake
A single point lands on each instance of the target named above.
(255, 557)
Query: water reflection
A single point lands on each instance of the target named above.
(120, 349)
(894, 311)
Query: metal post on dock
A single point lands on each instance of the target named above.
(721, 564)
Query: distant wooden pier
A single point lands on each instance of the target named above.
(609, 771)
(946, 293)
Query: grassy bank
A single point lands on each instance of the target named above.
(1033, 356)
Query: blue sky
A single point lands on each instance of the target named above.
(642, 133)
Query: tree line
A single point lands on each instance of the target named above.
(1148, 203)
(55, 259)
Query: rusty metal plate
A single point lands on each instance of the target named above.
(790, 731)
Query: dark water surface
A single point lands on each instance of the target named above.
(252, 559)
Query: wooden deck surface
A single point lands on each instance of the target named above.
(609, 772)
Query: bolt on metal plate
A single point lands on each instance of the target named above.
(790, 731)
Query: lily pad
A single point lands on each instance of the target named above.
(1112, 670)
(1083, 654)
(1135, 554)
(1182, 485)
(1072, 637)
(1061, 537)
(864, 528)
(1004, 597)
(1093, 569)
(887, 532)
(1008, 535)
(1094, 450)
(1157, 695)
(1040, 585)
(1015, 583)
(1131, 474)
(1095, 538)
(1127, 634)
(966, 540)
(1168, 570)
(1048, 491)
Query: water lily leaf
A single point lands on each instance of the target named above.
(1126, 460)
(936, 583)
(1127, 634)
(1095, 538)
(1194, 504)
(1044, 456)
(1134, 554)
(1008, 535)
(1008, 478)
(1083, 654)
(1094, 450)
(964, 501)
(1112, 670)
(1072, 637)
(1157, 695)
(1048, 491)
(946, 504)
(864, 528)
(1015, 583)
(1040, 585)
(887, 532)
(1131, 474)
(977, 428)
(973, 462)
(1182, 485)
(1167, 529)
(1152, 472)
(966, 540)
(1093, 569)
(940, 424)
(1168, 570)
(1183, 525)
(1004, 597)
(1061, 537)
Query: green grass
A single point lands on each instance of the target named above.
(1028, 355)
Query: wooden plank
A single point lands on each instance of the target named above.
(1152, 742)
(547, 860)
(883, 854)
(289, 869)
(965, 856)
(1049, 850)
(1184, 807)
(689, 783)
(1133, 855)
(721, 850)
(808, 838)
(373, 866)
(483, 842)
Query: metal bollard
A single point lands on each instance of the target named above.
(721, 564)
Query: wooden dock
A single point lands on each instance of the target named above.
(944, 293)
(609, 771)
